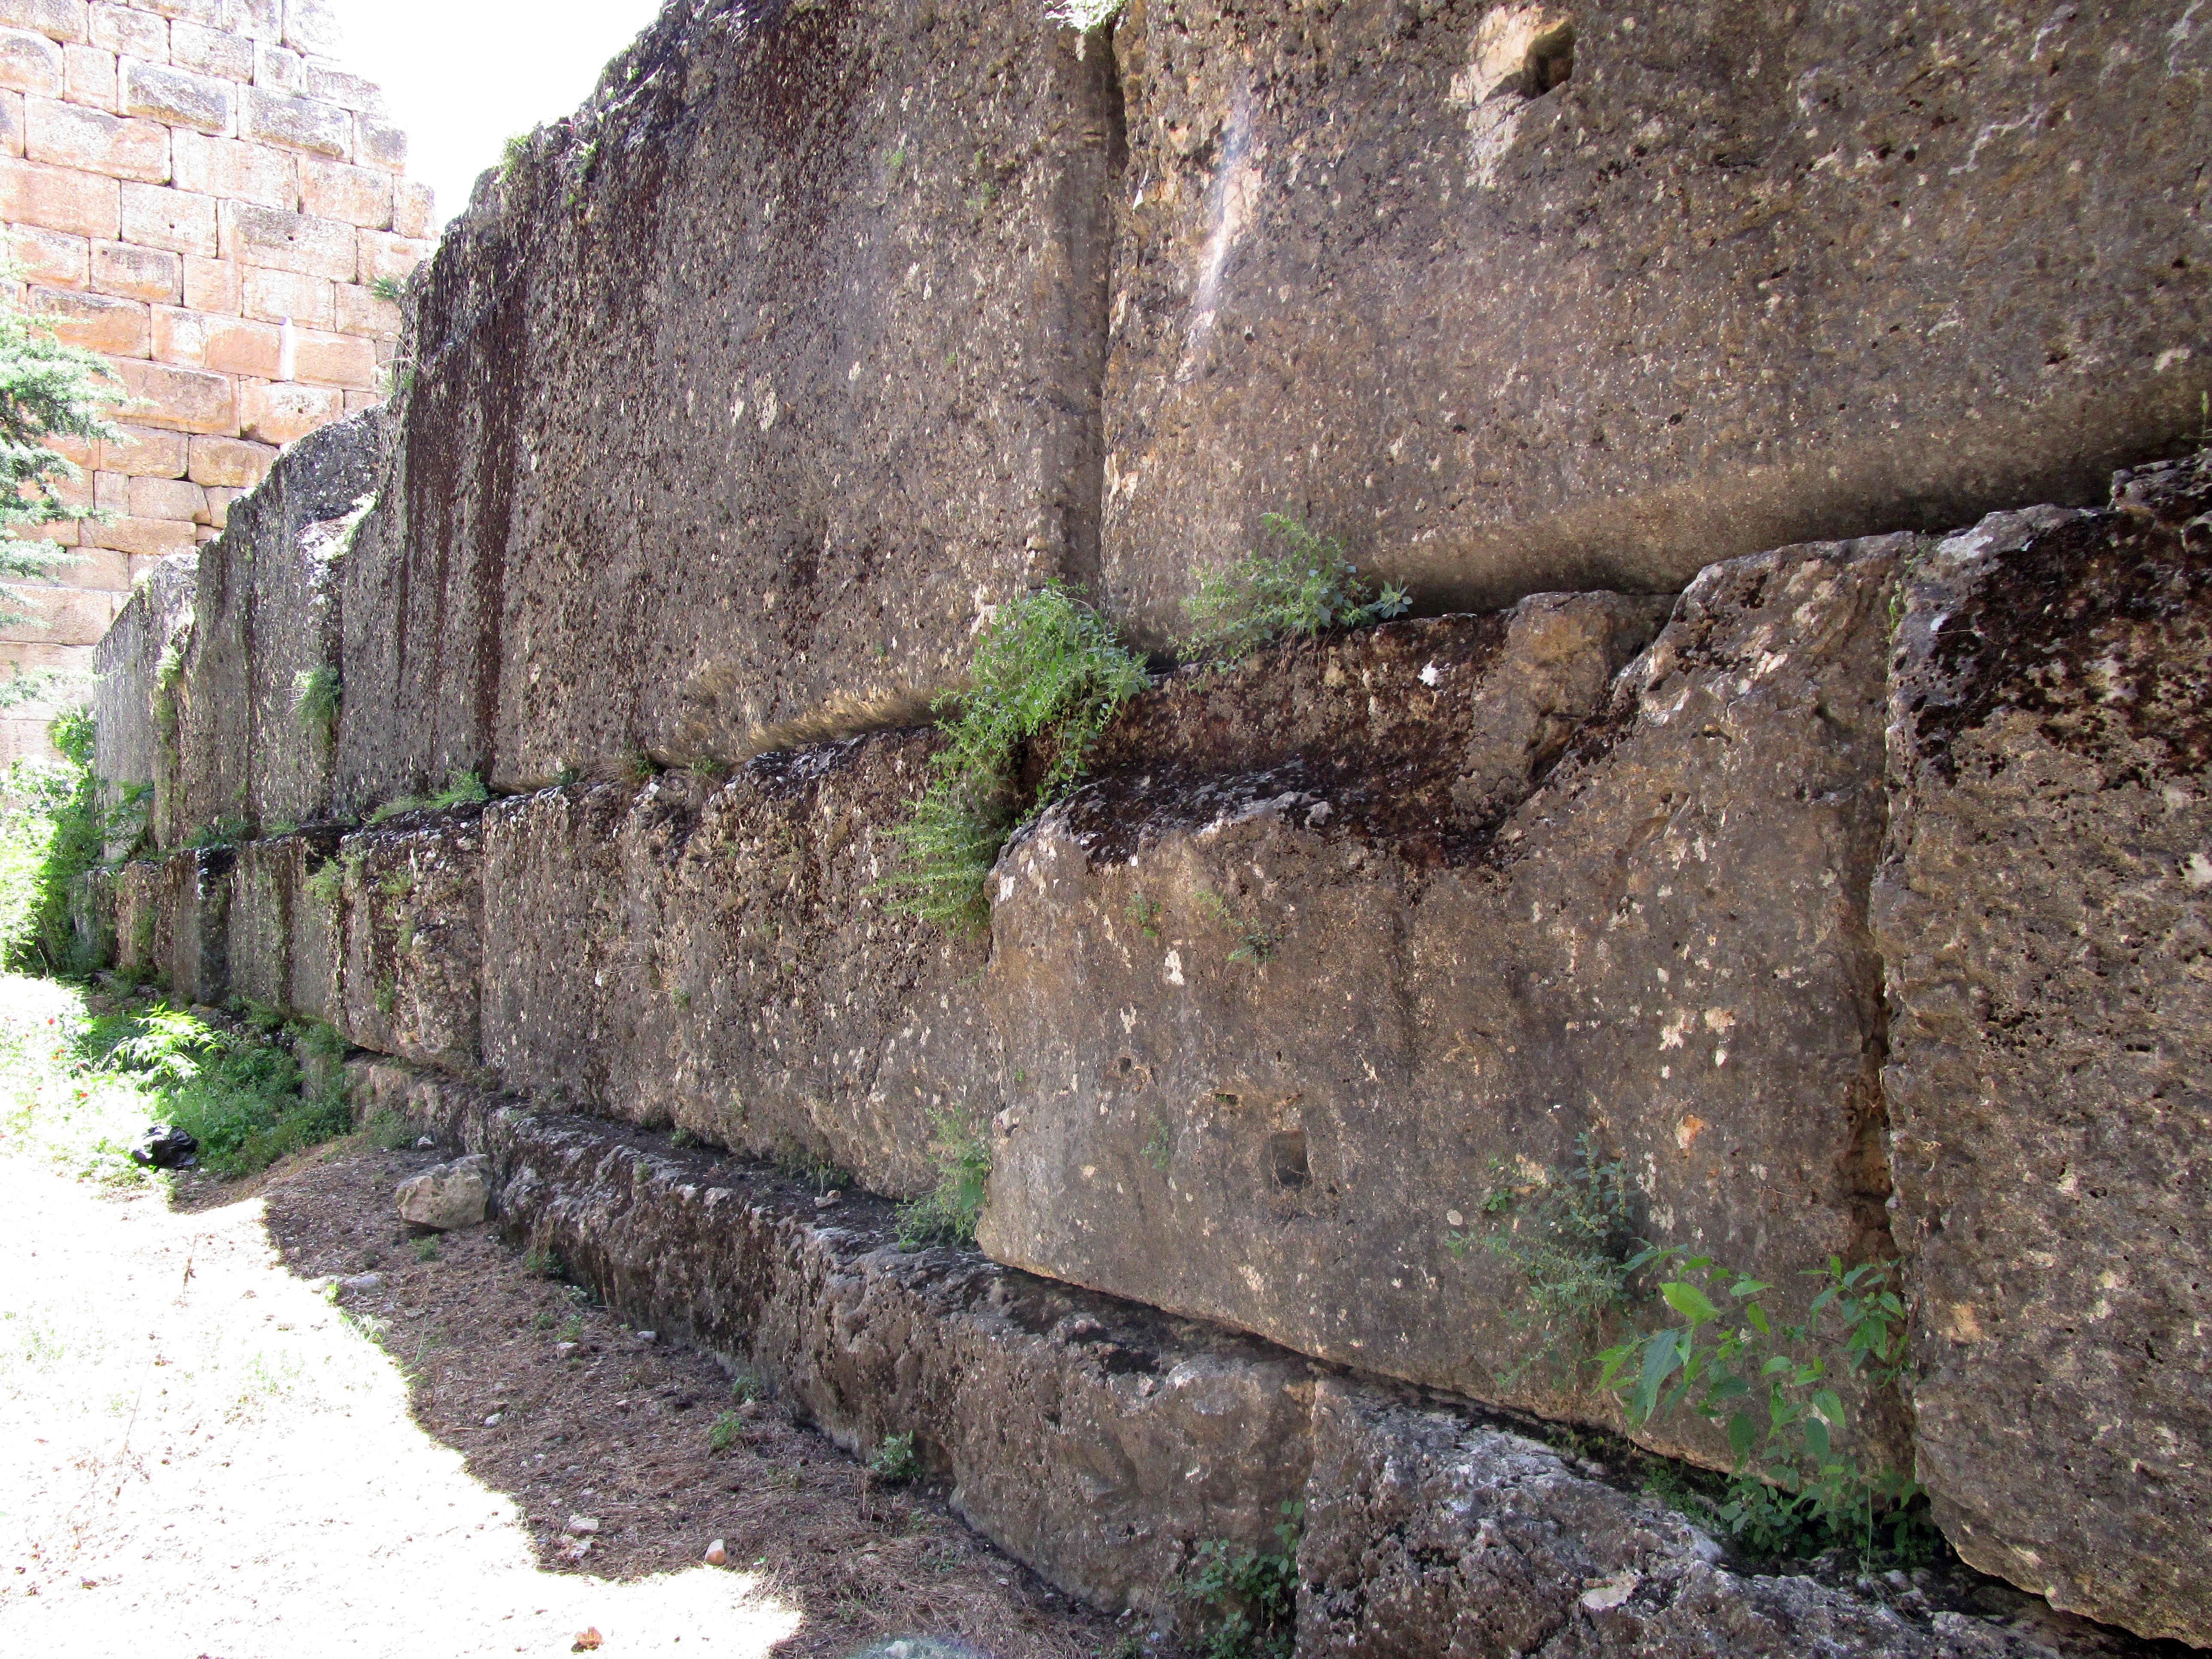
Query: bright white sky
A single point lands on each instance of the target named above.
(463, 76)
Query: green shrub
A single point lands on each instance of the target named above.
(388, 1131)
(53, 829)
(947, 1214)
(1297, 594)
(1047, 677)
(894, 1461)
(1794, 1492)
(1248, 1597)
(1574, 1238)
(1767, 1382)
(236, 1093)
(723, 1433)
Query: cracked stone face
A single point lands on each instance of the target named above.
(1287, 1027)
(1538, 296)
(2045, 910)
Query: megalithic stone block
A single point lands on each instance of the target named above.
(1546, 296)
(2045, 910)
(870, 320)
(1292, 1017)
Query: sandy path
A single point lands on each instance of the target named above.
(200, 1455)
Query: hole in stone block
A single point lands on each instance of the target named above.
(1286, 1155)
(1550, 60)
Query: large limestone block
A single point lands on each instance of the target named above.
(2045, 914)
(1745, 276)
(1280, 1027)
(717, 958)
(135, 714)
(283, 931)
(410, 957)
(173, 922)
(268, 620)
(755, 383)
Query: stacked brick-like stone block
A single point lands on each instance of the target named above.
(196, 190)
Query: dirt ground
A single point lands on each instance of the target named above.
(212, 1448)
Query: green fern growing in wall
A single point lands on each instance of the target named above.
(1048, 676)
(1311, 586)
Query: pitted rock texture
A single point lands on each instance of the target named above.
(717, 956)
(1101, 1442)
(752, 385)
(2045, 914)
(283, 937)
(1098, 1441)
(1429, 1536)
(1283, 1030)
(135, 714)
(411, 938)
(1526, 296)
(264, 615)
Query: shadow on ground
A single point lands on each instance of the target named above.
(553, 1401)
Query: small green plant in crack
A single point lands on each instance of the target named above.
(462, 789)
(398, 884)
(315, 698)
(1145, 914)
(1047, 679)
(1159, 1151)
(1256, 944)
(723, 1433)
(794, 1162)
(894, 1461)
(1768, 1383)
(1574, 1238)
(1311, 587)
(948, 1212)
(388, 996)
(1249, 1598)
(392, 290)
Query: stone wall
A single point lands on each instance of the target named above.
(198, 190)
(1852, 893)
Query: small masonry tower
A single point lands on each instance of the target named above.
(195, 190)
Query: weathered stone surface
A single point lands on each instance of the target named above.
(852, 261)
(1098, 1441)
(411, 952)
(2045, 914)
(1429, 1536)
(1279, 1014)
(134, 740)
(1101, 1442)
(266, 615)
(1508, 332)
(283, 936)
(448, 1196)
(716, 956)
(173, 922)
